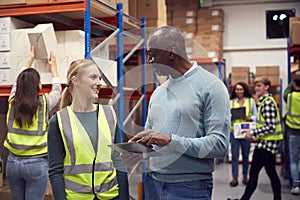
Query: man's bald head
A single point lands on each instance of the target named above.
(170, 39)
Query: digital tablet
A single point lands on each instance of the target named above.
(134, 147)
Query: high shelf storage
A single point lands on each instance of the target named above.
(86, 14)
(292, 51)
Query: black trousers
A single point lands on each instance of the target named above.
(263, 158)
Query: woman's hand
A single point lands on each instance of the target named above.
(248, 134)
(30, 58)
(248, 119)
(52, 64)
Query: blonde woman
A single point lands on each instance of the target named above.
(80, 161)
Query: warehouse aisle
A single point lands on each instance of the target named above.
(222, 190)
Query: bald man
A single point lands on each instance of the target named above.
(188, 122)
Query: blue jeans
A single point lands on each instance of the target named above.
(27, 177)
(235, 152)
(187, 190)
(294, 147)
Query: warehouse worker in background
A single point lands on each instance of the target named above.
(293, 123)
(290, 87)
(268, 133)
(188, 122)
(241, 97)
(80, 161)
(27, 119)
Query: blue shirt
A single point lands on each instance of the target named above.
(195, 110)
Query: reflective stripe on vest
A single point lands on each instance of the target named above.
(293, 110)
(247, 104)
(27, 141)
(277, 134)
(78, 161)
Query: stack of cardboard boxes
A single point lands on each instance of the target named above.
(183, 15)
(240, 74)
(294, 23)
(203, 28)
(272, 72)
(210, 28)
(11, 51)
(154, 10)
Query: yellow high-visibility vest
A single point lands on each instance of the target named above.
(80, 155)
(247, 104)
(277, 135)
(293, 110)
(27, 141)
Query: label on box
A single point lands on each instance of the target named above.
(4, 76)
(240, 128)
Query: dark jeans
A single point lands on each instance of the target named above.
(187, 190)
(27, 177)
(263, 158)
(235, 153)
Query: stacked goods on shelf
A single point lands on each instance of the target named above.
(183, 15)
(9, 2)
(210, 28)
(68, 46)
(153, 10)
(240, 74)
(272, 72)
(9, 48)
(294, 23)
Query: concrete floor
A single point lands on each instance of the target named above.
(222, 190)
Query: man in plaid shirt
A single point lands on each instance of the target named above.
(268, 133)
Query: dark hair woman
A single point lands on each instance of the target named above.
(27, 119)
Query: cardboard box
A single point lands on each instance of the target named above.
(152, 9)
(4, 77)
(9, 2)
(239, 129)
(235, 78)
(211, 12)
(267, 70)
(210, 27)
(109, 69)
(274, 79)
(16, 64)
(239, 70)
(4, 42)
(43, 38)
(74, 42)
(8, 24)
(4, 59)
(184, 20)
(294, 30)
(133, 8)
(19, 41)
(295, 33)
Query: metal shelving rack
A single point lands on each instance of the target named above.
(70, 13)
